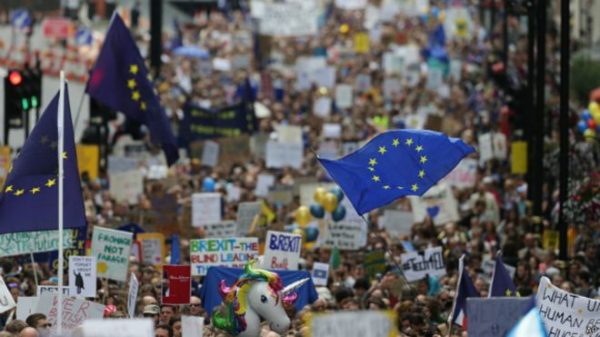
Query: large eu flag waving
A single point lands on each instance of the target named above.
(119, 80)
(394, 164)
(29, 198)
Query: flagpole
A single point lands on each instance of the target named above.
(60, 119)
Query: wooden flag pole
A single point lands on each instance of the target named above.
(60, 121)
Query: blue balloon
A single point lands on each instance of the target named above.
(338, 193)
(339, 214)
(317, 211)
(435, 12)
(582, 126)
(586, 115)
(208, 184)
(312, 233)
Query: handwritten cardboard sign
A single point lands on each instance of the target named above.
(231, 252)
(282, 250)
(12, 244)
(82, 276)
(111, 249)
(221, 229)
(153, 248)
(245, 215)
(417, 266)
(74, 311)
(349, 234)
(206, 208)
(192, 326)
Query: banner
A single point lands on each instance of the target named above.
(111, 249)
(464, 175)
(417, 266)
(206, 208)
(354, 324)
(230, 121)
(12, 244)
(495, 316)
(232, 252)
(567, 314)
(7, 301)
(88, 160)
(82, 276)
(192, 326)
(438, 203)
(282, 250)
(346, 234)
(134, 285)
(153, 248)
(74, 311)
(125, 327)
(177, 285)
(223, 229)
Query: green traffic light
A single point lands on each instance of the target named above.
(25, 103)
(34, 102)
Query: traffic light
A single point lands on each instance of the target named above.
(22, 93)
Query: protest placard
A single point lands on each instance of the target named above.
(245, 215)
(125, 327)
(393, 63)
(397, 222)
(25, 306)
(361, 43)
(132, 295)
(362, 83)
(567, 314)
(118, 164)
(280, 155)
(329, 149)
(111, 249)
(127, 186)
(231, 252)
(391, 87)
(12, 244)
(74, 311)
(289, 134)
(487, 267)
(222, 229)
(7, 301)
(210, 153)
(496, 316)
(343, 96)
(464, 175)
(550, 239)
(351, 4)
(153, 248)
(296, 18)
(320, 273)
(332, 130)
(88, 157)
(43, 290)
(177, 285)
(281, 194)
(518, 157)
(263, 184)
(416, 266)
(322, 107)
(82, 276)
(192, 326)
(206, 208)
(374, 263)
(324, 77)
(435, 76)
(282, 250)
(438, 203)
(348, 234)
(492, 145)
(354, 324)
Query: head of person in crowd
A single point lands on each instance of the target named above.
(163, 330)
(39, 322)
(152, 311)
(166, 313)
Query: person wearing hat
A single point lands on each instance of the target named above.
(152, 311)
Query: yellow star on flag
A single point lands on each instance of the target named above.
(131, 83)
(135, 95)
(371, 169)
(143, 105)
(409, 141)
(508, 292)
(9, 189)
(423, 159)
(35, 190)
(64, 155)
(19, 192)
(414, 187)
(50, 182)
(421, 173)
(382, 150)
(376, 178)
(372, 162)
(10, 168)
(419, 148)
(386, 187)
(400, 187)
(395, 142)
(133, 69)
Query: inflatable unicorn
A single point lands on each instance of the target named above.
(256, 294)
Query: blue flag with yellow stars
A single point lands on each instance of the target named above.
(119, 80)
(394, 164)
(29, 198)
(502, 284)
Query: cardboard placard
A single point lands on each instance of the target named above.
(177, 285)
(206, 208)
(26, 306)
(111, 249)
(12, 244)
(74, 311)
(280, 155)
(210, 153)
(223, 229)
(417, 266)
(127, 186)
(282, 251)
(82, 276)
(320, 273)
(438, 203)
(231, 252)
(192, 326)
(153, 248)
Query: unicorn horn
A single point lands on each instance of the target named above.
(290, 288)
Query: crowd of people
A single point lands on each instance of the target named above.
(484, 95)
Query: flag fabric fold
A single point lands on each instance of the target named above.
(464, 290)
(120, 81)
(501, 284)
(531, 325)
(29, 197)
(395, 164)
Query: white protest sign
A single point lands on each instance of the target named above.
(458, 23)
(332, 130)
(33, 242)
(25, 306)
(74, 311)
(322, 107)
(456, 69)
(230, 252)
(323, 77)
(320, 273)
(221, 64)
(132, 295)
(118, 164)
(42, 290)
(492, 145)
(348, 234)
(488, 265)
(192, 326)
(206, 208)
(280, 155)
(435, 77)
(282, 250)
(351, 4)
(566, 314)
(245, 215)
(464, 175)
(362, 82)
(393, 63)
(111, 249)
(289, 134)
(7, 302)
(127, 186)
(223, 229)
(210, 153)
(263, 183)
(391, 87)
(153, 248)
(343, 96)
(125, 327)
(82, 276)
(417, 266)
(438, 203)
(354, 324)
(288, 18)
(397, 222)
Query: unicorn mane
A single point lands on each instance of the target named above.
(232, 319)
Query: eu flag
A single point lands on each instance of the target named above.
(29, 198)
(502, 284)
(120, 81)
(395, 164)
(464, 290)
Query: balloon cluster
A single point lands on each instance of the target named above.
(328, 201)
(589, 124)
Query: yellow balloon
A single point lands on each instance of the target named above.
(319, 194)
(344, 28)
(594, 108)
(589, 134)
(329, 202)
(303, 216)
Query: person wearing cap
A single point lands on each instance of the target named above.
(152, 311)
